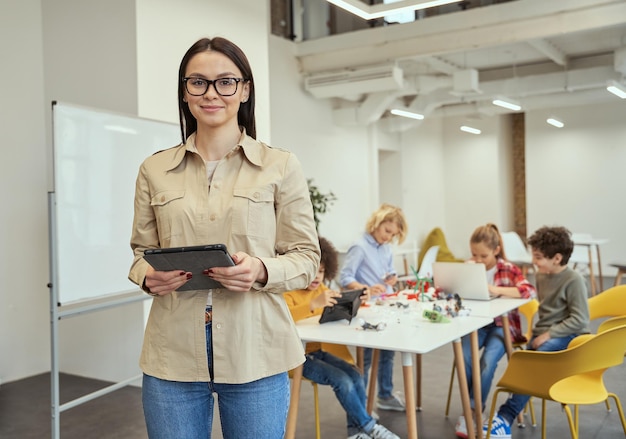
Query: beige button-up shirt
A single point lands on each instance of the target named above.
(258, 203)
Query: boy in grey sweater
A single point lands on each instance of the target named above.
(563, 311)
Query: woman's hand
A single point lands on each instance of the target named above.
(160, 283)
(327, 298)
(247, 271)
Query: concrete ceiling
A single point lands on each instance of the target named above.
(540, 53)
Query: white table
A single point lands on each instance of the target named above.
(408, 333)
(491, 309)
(590, 243)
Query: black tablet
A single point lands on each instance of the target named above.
(194, 259)
(347, 306)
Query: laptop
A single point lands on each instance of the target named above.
(468, 280)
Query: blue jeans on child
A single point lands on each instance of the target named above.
(347, 383)
(491, 339)
(516, 403)
(175, 410)
(385, 371)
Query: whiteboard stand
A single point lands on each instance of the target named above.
(58, 312)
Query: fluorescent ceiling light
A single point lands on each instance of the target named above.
(507, 103)
(406, 113)
(369, 12)
(555, 122)
(470, 130)
(617, 89)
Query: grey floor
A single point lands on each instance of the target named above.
(25, 409)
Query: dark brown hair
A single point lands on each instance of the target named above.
(329, 259)
(245, 116)
(552, 240)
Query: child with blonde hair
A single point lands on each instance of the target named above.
(369, 264)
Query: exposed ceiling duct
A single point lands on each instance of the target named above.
(348, 83)
(542, 54)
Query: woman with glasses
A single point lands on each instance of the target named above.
(221, 185)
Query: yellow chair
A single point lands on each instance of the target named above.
(527, 311)
(573, 376)
(609, 303)
(340, 351)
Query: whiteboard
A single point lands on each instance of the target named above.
(96, 156)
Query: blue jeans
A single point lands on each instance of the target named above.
(347, 383)
(516, 403)
(385, 371)
(184, 410)
(491, 340)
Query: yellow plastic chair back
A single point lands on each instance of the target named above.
(528, 311)
(571, 377)
(609, 303)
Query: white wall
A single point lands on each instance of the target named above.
(166, 29)
(24, 345)
(339, 159)
(476, 175)
(423, 178)
(576, 175)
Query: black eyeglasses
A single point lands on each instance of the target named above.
(223, 86)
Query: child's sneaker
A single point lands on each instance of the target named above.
(461, 427)
(360, 436)
(380, 432)
(500, 428)
(390, 403)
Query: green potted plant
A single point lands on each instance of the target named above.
(321, 202)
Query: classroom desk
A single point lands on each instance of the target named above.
(407, 332)
(590, 243)
(491, 309)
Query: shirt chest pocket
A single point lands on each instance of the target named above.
(253, 212)
(168, 206)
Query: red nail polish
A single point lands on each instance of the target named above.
(205, 271)
(189, 275)
(182, 273)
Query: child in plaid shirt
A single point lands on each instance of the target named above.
(505, 279)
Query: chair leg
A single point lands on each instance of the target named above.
(618, 404)
(316, 399)
(418, 382)
(543, 419)
(570, 421)
(492, 412)
(531, 408)
(618, 277)
(450, 389)
(521, 419)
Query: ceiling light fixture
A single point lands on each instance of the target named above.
(507, 103)
(617, 88)
(407, 113)
(368, 12)
(470, 130)
(555, 122)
